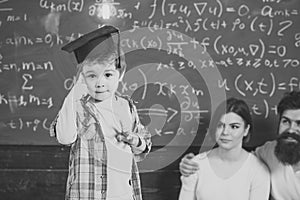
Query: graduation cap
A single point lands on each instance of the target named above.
(94, 42)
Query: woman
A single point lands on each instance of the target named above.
(228, 172)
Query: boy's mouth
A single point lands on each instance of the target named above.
(100, 91)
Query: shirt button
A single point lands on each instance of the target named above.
(102, 191)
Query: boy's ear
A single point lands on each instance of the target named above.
(122, 73)
(81, 78)
(79, 75)
(121, 76)
(122, 64)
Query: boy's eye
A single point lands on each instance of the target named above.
(108, 75)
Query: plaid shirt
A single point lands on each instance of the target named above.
(87, 178)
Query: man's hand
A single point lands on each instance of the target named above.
(187, 166)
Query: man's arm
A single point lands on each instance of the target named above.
(266, 153)
(188, 187)
(187, 165)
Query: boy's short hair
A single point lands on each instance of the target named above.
(290, 101)
(107, 56)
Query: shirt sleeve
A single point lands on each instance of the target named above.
(64, 126)
(260, 186)
(142, 150)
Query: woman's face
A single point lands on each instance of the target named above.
(230, 131)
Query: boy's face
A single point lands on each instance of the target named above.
(101, 79)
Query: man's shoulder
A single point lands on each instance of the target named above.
(269, 145)
(266, 151)
(257, 164)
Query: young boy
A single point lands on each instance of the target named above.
(103, 129)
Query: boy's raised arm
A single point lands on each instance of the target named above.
(64, 126)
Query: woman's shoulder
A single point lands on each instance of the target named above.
(257, 164)
(254, 160)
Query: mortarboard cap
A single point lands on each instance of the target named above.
(93, 42)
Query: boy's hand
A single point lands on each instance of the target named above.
(187, 166)
(80, 88)
(129, 138)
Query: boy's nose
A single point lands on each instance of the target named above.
(99, 82)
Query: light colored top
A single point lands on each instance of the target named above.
(285, 182)
(250, 182)
(119, 155)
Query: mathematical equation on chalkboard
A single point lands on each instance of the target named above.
(254, 46)
(189, 107)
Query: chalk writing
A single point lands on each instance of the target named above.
(29, 100)
(26, 66)
(254, 45)
(267, 85)
(23, 124)
(49, 39)
(70, 6)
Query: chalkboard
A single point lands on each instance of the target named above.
(183, 57)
